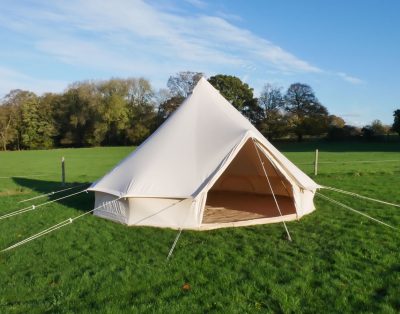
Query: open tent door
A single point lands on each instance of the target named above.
(242, 195)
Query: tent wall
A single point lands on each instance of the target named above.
(304, 201)
(163, 212)
(243, 178)
(246, 174)
(159, 212)
(116, 210)
(303, 198)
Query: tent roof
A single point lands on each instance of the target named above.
(187, 149)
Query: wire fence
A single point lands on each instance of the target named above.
(315, 163)
(359, 165)
(347, 162)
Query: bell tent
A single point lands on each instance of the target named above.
(205, 167)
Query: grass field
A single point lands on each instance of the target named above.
(338, 261)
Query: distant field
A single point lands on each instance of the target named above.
(338, 261)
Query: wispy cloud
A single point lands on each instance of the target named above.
(197, 3)
(11, 79)
(351, 115)
(229, 16)
(354, 118)
(203, 38)
(349, 78)
(134, 37)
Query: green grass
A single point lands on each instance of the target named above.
(338, 261)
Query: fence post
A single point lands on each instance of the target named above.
(316, 163)
(62, 171)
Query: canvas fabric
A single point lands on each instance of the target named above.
(165, 181)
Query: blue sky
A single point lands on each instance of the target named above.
(348, 51)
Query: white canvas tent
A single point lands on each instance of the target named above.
(206, 167)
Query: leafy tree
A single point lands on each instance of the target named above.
(367, 132)
(275, 125)
(378, 128)
(307, 115)
(233, 89)
(335, 121)
(29, 122)
(38, 125)
(253, 112)
(140, 91)
(274, 121)
(12, 121)
(343, 133)
(77, 115)
(336, 129)
(141, 109)
(166, 108)
(375, 129)
(239, 94)
(112, 112)
(396, 123)
(7, 130)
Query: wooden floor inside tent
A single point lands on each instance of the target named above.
(225, 207)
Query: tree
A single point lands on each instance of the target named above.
(141, 109)
(378, 128)
(275, 125)
(271, 98)
(335, 121)
(343, 133)
(307, 115)
(367, 132)
(396, 123)
(113, 112)
(274, 121)
(12, 117)
(7, 130)
(182, 83)
(38, 126)
(375, 129)
(29, 120)
(233, 89)
(77, 115)
(166, 108)
(336, 129)
(110, 112)
(179, 86)
(140, 92)
(239, 94)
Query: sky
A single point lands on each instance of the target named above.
(347, 51)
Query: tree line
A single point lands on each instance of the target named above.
(127, 111)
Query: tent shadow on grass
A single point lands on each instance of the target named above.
(82, 202)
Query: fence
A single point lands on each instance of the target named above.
(316, 163)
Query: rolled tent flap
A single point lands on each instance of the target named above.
(165, 182)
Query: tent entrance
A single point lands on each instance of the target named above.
(225, 206)
(242, 192)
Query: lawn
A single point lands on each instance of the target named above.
(338, 261)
